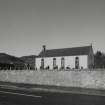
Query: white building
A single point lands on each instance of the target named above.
(66, 58)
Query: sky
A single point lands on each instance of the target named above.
(26, 25)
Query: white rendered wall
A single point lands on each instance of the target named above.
(84, 61)
(69, 61)
(49, 62)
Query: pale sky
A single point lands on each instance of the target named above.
(26, 25)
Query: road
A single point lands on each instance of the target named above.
(11, 95)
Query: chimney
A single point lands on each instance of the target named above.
(44, 48)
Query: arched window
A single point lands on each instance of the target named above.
(62, 63)
(42, 63)
(54, 62)
(77, 62)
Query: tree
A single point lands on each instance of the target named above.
(99, 60)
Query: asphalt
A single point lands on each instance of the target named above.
(31, 94)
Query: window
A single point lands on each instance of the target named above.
(42, 63)
(54, 63)
(77, 62)
(62, 63)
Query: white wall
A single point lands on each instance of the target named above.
(49, 61)
(69, 61)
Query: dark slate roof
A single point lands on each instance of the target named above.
(66, 52)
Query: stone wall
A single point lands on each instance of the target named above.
(76, 78)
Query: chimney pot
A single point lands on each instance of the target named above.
(44, 48)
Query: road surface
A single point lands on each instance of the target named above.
(28, 95)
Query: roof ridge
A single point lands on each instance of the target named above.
(68, 48)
